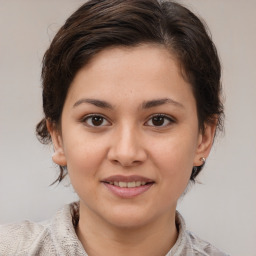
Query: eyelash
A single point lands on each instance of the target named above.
(165, 117)
(86, 118)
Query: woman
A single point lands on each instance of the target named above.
(131, 96)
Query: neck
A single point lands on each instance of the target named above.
(100, 238)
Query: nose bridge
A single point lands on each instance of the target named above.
(127, 138)
(127, 147)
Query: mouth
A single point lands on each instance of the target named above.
(132, 184)
(128, 186)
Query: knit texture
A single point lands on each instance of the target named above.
(58, 237)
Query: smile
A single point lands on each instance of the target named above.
(132, 184)
(127, 186)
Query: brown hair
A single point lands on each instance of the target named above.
(97, 25)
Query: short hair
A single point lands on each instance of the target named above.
(99, 24)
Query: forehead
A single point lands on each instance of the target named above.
(145, 57)
(144, 71)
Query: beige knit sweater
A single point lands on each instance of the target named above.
(57, 237)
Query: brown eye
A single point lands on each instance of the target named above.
(95, 121)
(159, 120)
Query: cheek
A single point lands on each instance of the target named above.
(174, 159)
(83, 164)
(84, 156)
(175, 151)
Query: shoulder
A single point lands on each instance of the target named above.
(188, 244)
(202, 247)
(21, 238)
(54, 237)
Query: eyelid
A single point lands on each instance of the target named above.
(168, 117)
(86, 117)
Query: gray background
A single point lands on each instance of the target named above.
(221, 210)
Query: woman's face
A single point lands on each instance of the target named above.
(129, 135)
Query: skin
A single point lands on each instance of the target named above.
(128, 142)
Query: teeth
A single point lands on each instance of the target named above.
(122, 184)
(131, 184)
(137, 183)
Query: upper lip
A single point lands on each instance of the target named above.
(130, 178)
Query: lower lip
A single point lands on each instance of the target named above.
(128, 192)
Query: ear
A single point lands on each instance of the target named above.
(205, 141)
(58, 156)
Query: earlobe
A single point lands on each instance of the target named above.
(205, 141)
(58, 156)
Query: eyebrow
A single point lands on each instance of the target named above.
(145, 104)
(159, 102)
(97, 103)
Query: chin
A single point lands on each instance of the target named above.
(128, 222)
(128, 218)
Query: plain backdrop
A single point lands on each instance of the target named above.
(221, 210)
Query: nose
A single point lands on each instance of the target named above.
(127, 147)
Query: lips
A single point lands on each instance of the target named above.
(131, 184)
(127, 186)
(132, 178)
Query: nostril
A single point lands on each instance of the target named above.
(115, 161)
(126, 163)
(126, 154)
